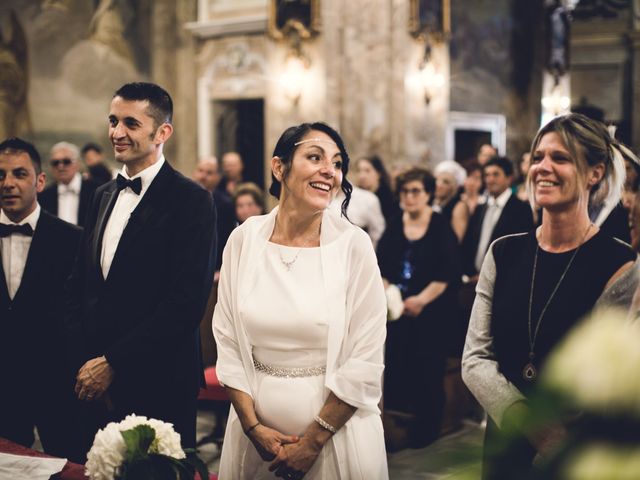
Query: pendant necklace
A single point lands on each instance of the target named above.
(530, 372)
(288, 264)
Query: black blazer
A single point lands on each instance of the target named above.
(225, 223)
(32, 324)
(516, 217)
(144, 316)
(48, 199)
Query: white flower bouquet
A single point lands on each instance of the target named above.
(141, 448)
(590, 384)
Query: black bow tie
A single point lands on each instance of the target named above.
(135, 185)
(6, 230)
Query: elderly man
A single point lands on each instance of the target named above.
(232, 168)
(69, 197)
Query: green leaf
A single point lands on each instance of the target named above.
(137, 440)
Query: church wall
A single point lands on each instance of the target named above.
(363, 66)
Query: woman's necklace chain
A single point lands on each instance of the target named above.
(289, 263)
(529, 372)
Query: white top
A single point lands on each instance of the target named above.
(69, 199)
(286, 314)
(15, 250)
(364, 211)
(126, 203)
(491, 217)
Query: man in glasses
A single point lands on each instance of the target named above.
(69, 197)
(37, 252)
(143, 277)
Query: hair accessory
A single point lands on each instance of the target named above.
(325, 425)
(321, 140)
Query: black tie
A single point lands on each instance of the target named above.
(6, 230)
(135, 185)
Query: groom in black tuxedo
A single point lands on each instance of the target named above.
(143, 276)
(37, 251)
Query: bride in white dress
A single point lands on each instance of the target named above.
(300, 325)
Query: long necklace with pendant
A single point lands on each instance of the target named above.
(530, 372)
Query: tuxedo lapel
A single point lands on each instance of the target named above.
(83, 202)
(4, 289)
(142, 217)
(107, 201)
(54, 200)
(503, 219)
(477, 231)
(36, 258)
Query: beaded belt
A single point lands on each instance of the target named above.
(295, 372)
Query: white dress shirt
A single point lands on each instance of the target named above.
(491, 217)
(126, 203)
(15, 250)
(364, 211)
(69, 199)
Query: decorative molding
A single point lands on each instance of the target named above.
(245, 25)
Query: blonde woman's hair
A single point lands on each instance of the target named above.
(589, 143)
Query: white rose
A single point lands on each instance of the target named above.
(106, 454)
(108, 450)
(597, 364)
(601, 461)
(168, 440)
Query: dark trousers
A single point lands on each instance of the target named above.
(48, 408)
(414, 377)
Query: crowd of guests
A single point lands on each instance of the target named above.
(122, 264)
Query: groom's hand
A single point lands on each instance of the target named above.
(93, 379)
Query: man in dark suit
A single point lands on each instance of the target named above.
(68, 198)
(144, 273)
(37, 251)
(207, 174)
(503, 214)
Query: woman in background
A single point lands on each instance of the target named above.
(450, 177)
(471, 194)
(248, 201)
(419, 254)
(373, 176)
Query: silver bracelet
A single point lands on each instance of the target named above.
(325, 425)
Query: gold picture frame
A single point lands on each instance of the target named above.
(301, 16)
(430, 17)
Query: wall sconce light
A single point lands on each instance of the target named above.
(555, 99)
(294, 75)
(556, 103)
(430, 77)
